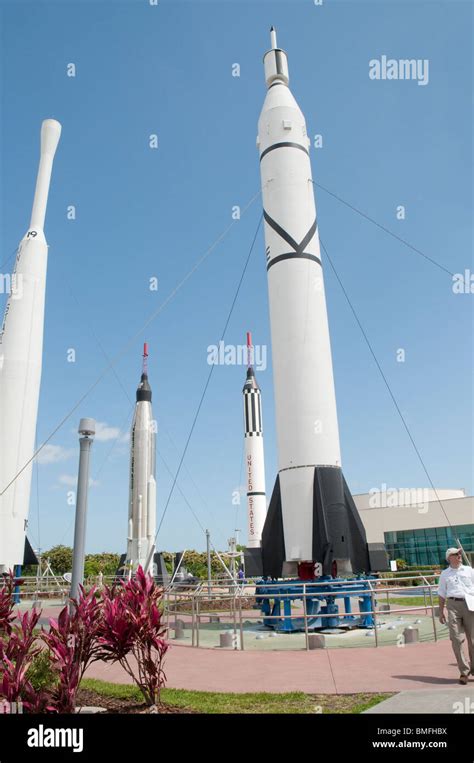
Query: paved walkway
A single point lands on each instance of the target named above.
(426, 674)
(449, 701)
(338, 671)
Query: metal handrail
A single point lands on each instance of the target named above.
(237, 594)
(372, 611)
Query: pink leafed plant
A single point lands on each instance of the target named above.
(16, 656)
(124, 625)
(73, 644)
(19, 646)
(132, 633)
(7, 602)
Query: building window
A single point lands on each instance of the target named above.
(428, 546)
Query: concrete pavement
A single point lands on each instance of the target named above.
(424, 676)
(338, 671)
(449, 701)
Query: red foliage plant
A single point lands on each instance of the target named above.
(132, 633)
(17, 652)
(7, 603)
(124, 625)
(73, 643)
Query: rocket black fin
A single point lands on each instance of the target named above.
(29, 556)
(338, 532)
(162, 574)
(273, 540)
(268, 560)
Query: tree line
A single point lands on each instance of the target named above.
(60, 559)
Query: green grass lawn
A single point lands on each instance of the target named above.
(414, 601)
(215, 702)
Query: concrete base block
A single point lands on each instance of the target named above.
(316, 641)
(178, 632)
(225, 640)
(411, 635)
(384, 608)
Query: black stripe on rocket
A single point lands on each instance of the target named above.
(253, 413)
(283, 144)
(298, 249)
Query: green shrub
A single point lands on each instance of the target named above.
(60, 558)
(40, 673)
(105, 562)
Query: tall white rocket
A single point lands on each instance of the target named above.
(21, 349)
(311, 517)
(254, 456)
(142, 492)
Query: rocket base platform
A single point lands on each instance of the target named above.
(322, 611)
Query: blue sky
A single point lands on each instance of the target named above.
(143, 213)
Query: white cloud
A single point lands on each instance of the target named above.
(103, 432)
(68, 479)
(71, 480)
(51, 454)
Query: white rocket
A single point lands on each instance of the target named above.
(254, 458)
(21, 348)
(142, 492)
(311, 517)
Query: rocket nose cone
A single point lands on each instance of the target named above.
(250, 382)
(144, 390)
(50, 134)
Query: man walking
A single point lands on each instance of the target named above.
(456, 592)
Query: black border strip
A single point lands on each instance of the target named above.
(282, 232)
(293, 256)
(286, 144)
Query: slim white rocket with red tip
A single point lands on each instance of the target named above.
(254, 457)
(21, 349)
(142, 491)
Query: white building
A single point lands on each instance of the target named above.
(418, 524)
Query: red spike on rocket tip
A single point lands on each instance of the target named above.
(145, 358)
(249, 348)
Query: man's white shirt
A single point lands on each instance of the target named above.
(456, 583)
